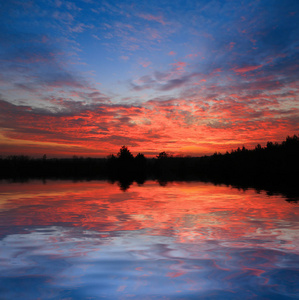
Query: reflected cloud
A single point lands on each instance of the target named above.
(89, 239)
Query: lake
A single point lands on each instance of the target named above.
(179, 240)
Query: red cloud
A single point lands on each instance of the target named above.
(247, 69)
(196, 127)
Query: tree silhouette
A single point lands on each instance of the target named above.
(140, 156)
(124, 154)
(162, 155)
(275, 165)
(140, 164)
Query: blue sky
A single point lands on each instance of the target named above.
(188, 77)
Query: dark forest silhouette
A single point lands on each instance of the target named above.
(272, 167)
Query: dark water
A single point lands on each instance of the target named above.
(90, 240)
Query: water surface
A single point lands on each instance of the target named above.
(90, 240)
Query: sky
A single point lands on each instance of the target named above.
(186, 77)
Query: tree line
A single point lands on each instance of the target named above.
(274, 164)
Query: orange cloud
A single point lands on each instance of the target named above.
(196, 126)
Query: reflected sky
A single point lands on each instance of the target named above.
(90, 240)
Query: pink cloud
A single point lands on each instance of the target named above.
(217, 70)
(133, 47)
(153, 34)
(63, 16)
(247, 69)
(192, 55)
(179, 66)
(80, 27)
(231, 45)
(145, 64)
(150, 17)
(199, 82)
(171, 53)
(96, 37)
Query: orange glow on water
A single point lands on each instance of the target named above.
(191, 212)
(183, 237)
(191, 78)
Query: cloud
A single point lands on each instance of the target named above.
(80, 27)
(150, 17)
(179, 66)
(35, 65)
(153, 34)
(96, 37)
(231, 45)
(60, 78)
(246, 69)
(175, 83)
(165, 81)
(192, 55)
(124, 57)
(25, 87)
(64, 17)
(166, 121)
(145, 64)
(234, 80)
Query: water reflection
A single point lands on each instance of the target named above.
(90, 240)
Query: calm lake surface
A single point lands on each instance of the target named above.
(91, 240)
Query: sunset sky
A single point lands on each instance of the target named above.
(186, 77)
